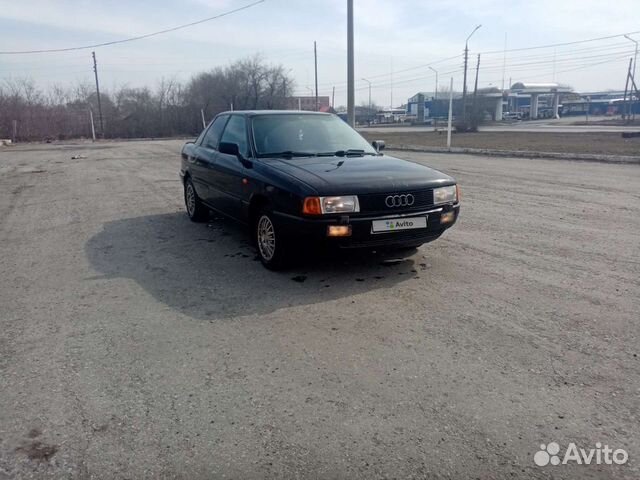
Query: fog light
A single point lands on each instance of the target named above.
(339, 231)
(447, 217)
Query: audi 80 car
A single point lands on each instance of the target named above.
(307, 178)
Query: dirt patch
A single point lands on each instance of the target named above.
(37, 450)
(591, 143)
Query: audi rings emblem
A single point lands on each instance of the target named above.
(399, 200)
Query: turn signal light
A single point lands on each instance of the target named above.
(311, 206)
(339, 231)
(458, 192)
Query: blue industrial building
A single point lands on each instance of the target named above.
(530, 100)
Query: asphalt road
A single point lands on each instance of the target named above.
(135, 344)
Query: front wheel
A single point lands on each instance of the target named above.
(270, 241)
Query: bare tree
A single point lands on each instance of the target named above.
(171, 108)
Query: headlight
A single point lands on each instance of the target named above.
(445, 195)
(329, 205)
(345, 204)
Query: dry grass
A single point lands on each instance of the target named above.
(593, 143)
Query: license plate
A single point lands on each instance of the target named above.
(395, 224)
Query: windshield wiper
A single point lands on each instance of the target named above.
(287, 154)
(346, 153)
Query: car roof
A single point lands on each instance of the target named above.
(255, 113)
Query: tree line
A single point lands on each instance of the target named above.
(171, 108)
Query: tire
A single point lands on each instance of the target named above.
(270, 242)
(196, 210)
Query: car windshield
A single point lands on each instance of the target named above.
(306, 134)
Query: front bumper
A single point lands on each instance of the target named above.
(362, 236)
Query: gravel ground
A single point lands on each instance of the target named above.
(135, 344)
(603, 143)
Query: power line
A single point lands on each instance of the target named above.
(501, 52)
(426, 65)
(139, 37)
(378, 86)
(568, 52)
(516, 65)
(568, 56)
(579, 66)
(560, 59)
(561, 44)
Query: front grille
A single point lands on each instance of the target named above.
(375, 202)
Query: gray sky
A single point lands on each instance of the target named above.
(402, 36)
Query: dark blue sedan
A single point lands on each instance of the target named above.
(297, 177)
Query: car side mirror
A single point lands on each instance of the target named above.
(229, 148)
(378, 145)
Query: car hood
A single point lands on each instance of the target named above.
(344, 175)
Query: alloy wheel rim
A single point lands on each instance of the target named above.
(191, 200)
(266, 238)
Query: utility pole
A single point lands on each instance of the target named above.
(634, 88)
(333, 98)
(626, 87)
(391, 74)
(369, 113)
(93, 127)
(351, 93)
(635, 66)
(504, 60)
(475, 87)
(435, 100)
(515, 102)
(464, 82)
(450, 114)
(95, 71)
(315, 57)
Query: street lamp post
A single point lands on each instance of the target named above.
(635, 60)
(464, 84)
(435, 100)
(369, 115)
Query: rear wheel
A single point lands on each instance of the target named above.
(195, 208)
(270, 241)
